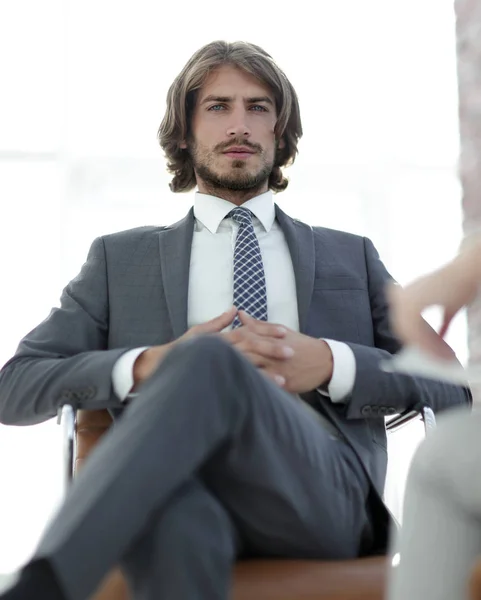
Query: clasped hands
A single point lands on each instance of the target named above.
(296, 362)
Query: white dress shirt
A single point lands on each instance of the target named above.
(211, 283)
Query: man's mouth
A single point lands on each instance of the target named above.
(239, 152)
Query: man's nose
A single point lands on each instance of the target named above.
(238, 125)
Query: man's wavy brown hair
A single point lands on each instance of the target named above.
(181, 98)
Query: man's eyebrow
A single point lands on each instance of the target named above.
(227, 99)
(256, 99)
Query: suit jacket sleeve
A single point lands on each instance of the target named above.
(65, 360)
(375, 392)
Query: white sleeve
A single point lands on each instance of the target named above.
(343, 372)
(123, 373)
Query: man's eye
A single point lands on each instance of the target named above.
(259, 108)
(216, 107)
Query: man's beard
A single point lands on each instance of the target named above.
(237, 179)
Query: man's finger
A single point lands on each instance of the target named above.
(247, 341)
(262, 327)
(267, 368)
(275, 377)
(257, 360)
(271, 349)
(263, 363)
(218, 323)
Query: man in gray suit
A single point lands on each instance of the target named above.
(258, 431)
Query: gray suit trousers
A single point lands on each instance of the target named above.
(210, 452)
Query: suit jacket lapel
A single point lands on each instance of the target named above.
(175, 244)
(300, 240)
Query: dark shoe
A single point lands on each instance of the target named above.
(36, 581)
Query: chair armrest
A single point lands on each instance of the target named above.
(418, 411)
(66, 418)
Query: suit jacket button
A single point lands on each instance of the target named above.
(382, 411)
(390, 410)
(366, 411)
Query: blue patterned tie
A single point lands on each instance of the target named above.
(249, 280)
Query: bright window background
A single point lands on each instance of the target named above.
(83, 86)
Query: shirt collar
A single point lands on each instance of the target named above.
(211, 211)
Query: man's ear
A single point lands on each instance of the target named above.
(282, 143)
(183, 145)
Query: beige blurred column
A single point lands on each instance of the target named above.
(468, 33)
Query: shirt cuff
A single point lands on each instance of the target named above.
(123, 373)
(343, 372)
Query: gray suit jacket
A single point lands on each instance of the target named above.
(132, 291)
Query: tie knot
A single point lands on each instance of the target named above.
(243, 216)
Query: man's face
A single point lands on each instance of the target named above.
(233, 145)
